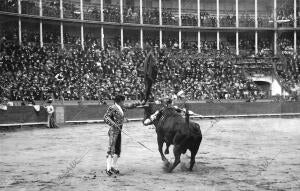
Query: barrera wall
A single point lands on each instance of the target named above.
(27, 115)
(95, 113)
(23, 115)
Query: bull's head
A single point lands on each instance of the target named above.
(151, 113)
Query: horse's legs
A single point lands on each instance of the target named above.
(160, 143)
(177, 153)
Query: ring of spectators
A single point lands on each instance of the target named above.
(112, 14)
(168, 18)
(246, 20)
(131, 15)
(265, 21)
(150, 16)
(189, 20)
(289, 74)
(286, 14)
(30, 8)
(29, 71)
(92, 12)
(207, 19)
(51, 9)
(9, 5)
(227, 20)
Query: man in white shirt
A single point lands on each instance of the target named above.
(50, 111)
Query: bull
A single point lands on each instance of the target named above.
(173, 129)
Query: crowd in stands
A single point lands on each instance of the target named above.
(265, 47)
(289, 74)
(31, 72)
(228, 20)
(285, 14)
(51, 8)
(9, 5)
(112, 14)
(33, 37)
(246, 44)
(151, 16)
(265, 21)
(208, 20)
(285, 41)
(36, 73)
(49, 38)
(30, 8)
(189, 20)
(131, 15)
(92, 12)
(246, 20)
(168, 18)
(205, 76)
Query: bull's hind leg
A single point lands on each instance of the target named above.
(179, 146)
(160, 143)
(194, 151)
(192, 162)
(177, 153)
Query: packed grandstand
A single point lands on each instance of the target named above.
(66, 57)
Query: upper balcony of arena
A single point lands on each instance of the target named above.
(267, 14)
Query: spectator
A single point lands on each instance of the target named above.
(50, 111)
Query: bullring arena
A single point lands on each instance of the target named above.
(235, 154)
(234, 63)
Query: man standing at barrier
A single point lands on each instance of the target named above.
(50, 111)
(114, 117)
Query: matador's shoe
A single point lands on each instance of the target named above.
(109, 172)
(116, 171)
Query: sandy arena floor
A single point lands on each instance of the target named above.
(235, 154)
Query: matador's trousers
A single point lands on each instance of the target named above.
(114, 146)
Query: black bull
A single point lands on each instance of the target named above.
(173, 129)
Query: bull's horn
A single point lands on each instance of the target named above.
(142, 106)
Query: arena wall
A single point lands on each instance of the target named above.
(95, 113)
(22, 115)
(27, 115)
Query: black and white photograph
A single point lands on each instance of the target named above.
(150, 95)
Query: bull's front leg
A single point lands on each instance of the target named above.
(167, 148)
(168, 141)
(160, 142)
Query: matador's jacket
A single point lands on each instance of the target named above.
(115, 119)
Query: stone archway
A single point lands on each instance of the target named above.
(265, 87)
(275, 86)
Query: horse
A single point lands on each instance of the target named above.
(173, 129)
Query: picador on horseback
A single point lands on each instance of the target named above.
(171, 127)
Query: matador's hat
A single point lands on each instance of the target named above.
(119, 98)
